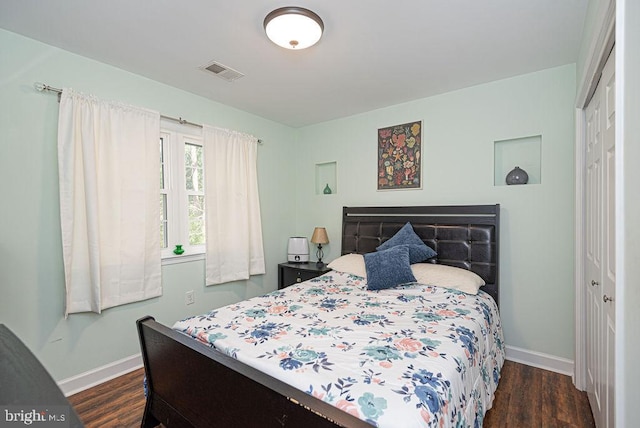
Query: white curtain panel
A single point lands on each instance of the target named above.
(108, 160)
(232, 206)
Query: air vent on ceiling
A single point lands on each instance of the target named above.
(223, 72)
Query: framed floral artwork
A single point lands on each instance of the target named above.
(399, 156)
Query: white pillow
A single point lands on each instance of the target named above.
(447, 276)
(350, 263)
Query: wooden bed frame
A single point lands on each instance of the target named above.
(192, 385)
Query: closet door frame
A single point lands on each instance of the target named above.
(586, 87)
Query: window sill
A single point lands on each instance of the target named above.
(183, 258)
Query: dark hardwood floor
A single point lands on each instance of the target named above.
(116, 403)
(526, 397)
(532, 397)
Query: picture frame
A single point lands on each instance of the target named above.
(400, 156)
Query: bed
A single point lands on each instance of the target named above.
(331, 352)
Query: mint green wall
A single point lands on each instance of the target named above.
(459, 130)
(31, 272)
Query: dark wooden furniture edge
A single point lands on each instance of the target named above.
(26, 384)
(192, 385)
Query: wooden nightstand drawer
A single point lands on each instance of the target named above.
(292, 273)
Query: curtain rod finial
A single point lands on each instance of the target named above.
(39, 86)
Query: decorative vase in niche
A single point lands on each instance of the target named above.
(327, 190)
(178, 250)
(517, 176)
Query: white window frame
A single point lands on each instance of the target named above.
(174, 137)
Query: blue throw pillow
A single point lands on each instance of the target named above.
(388, 268)
(418, 250)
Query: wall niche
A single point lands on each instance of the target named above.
(525, 153)
(326, 178)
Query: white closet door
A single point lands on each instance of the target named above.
(608, 83)
(593, 274)
(600, 247)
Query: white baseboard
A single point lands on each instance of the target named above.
(540, 360)
(99, 375)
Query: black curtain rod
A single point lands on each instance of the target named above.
(40, 87)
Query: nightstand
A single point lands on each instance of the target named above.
(291, 273)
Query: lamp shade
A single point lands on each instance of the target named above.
(293, 27)
(320, 236)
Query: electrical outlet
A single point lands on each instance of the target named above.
(189, 298)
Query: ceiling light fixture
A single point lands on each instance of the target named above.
(293, 27)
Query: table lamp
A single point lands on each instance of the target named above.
(319, 237)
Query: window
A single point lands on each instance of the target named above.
(194, 176)
(181, 189)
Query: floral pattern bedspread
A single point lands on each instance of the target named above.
(411, 356)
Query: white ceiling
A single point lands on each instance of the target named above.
(374, 53)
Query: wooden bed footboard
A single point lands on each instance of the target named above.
(192, 385)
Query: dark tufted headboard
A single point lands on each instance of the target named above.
(465, 236)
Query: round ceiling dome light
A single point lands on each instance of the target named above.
(293, 27)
